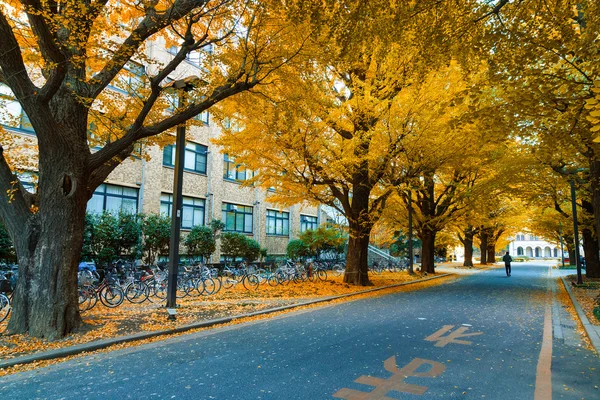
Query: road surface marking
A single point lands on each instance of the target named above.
(543, 376)
(393, 383)
(452, 337)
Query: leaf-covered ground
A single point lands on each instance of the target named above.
(102, 322)
(588, 296)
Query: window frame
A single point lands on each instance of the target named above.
(229, 167)
(121, 196)
(193, 206)
(304, 222)
(234, 209)
(279, 218)
(199, 150)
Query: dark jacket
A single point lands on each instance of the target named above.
(507, 259)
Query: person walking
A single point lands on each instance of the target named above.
(507, 260)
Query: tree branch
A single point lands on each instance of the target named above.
(12, 65)
(14, 199)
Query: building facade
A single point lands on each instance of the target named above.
(212, 182)
(531, 246)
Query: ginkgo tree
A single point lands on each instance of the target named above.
(74, 68)
(333, 129)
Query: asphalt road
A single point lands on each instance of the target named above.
(401, 346)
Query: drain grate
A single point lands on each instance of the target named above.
(568, 326)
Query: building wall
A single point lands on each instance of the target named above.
(152, 178)
(524, 244)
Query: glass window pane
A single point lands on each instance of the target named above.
(190, 160)
(239, 221)
(165, 209)
(95, 204)
(130, 192)
(129, 206)
(114, 189)
(198, 216)
(230, 221)
(188, 217)
(270, 226)
(286, 227)
(248, 223)
(113, 204)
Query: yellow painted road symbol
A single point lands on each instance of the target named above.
(393, 383)
(452, 337)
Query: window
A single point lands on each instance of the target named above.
(192, 210)
(233, 171)
(519, 251)
(237, 218)
(131, 77)
(194, 160)
(113, 198)
(278, 223)
(203, 117)
(308, 222)
(11, 112)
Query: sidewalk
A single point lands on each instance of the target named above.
(592, 331)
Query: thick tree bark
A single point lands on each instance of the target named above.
(590, 249)
(483, 245)
(428, 250)
(357, 271)
(45, 303)
(491, 253)
(595, 189)
(467, 242)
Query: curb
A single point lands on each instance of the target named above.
(101, 344)
(592, 332)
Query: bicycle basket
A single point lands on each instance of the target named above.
(5, 286)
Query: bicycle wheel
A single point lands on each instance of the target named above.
(184, 287)
(272, 280)
(158, 289)
(218, 284)
(87, 298)
(338, 270)
(208, 287)
(4, 307)
(251, 282)
(136, 292)
(322, 274)
(111, 295)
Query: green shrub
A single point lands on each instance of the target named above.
(297, 249)
(201, 242)
(156, 232)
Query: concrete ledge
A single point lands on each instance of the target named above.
(102, 344)
(592, 331)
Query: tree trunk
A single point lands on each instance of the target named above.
(467, 243)
(49, 245)
(483, 239)
(428, 250)
(595, 189)
(590, 249)
(491, 253)
(357, 271)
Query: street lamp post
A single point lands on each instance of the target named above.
(562, 248)
(576, 232)
(183, 85)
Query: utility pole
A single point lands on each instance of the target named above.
(183, 86)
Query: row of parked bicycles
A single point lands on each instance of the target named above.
(125, 281)
(129, 282)
(8, 280)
